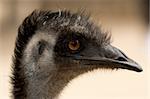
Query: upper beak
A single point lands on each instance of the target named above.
(111, 57)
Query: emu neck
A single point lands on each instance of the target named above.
(49, 87)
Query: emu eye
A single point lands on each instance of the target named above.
(74, 45)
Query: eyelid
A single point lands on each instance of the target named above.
(61, 47)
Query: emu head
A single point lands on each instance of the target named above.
(54, 47)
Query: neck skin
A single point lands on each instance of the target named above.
(49, 87)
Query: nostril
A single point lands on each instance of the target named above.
(121, 59)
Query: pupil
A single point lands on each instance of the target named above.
(74, 43)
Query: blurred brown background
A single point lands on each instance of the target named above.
(127, 20)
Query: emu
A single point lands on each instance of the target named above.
(54, 47)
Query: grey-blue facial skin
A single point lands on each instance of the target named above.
(44, 61)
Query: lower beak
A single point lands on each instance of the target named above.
(112, 58)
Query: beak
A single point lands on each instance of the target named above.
(110, 57)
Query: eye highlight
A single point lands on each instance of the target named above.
(74, 45)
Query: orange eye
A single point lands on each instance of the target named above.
(74, 45)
